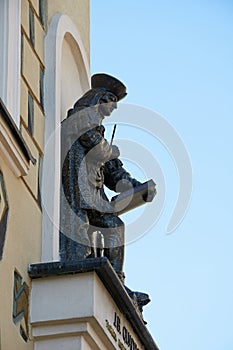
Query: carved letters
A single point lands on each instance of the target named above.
(121, 334)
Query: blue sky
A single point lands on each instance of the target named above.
(176, 58)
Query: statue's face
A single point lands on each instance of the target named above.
(107, 104)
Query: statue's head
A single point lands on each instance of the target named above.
(110, 84)
(115, 90)
(103, 96)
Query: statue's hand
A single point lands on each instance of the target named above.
(149, 196)
(115, 152)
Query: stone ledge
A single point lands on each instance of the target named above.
(108, 277)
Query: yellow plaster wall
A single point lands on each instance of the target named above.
(22, 247)
(24, 101)
(31, 68)
(39, 39)
(25, 16)
(35, 4)
(79, 12)
(32, 63)
(24, 227)
(31, 179)
(39, 127)
(24, 224)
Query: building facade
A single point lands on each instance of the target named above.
(44, 69)
(46, 304)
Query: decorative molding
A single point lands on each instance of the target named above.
(21, 305)
(12, 146)
(11, 154)
(4, 37)
(10, 17)
(59, 27)
(4, 208)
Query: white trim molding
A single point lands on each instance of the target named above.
(59, 27)
(10, 37)
(11, 153)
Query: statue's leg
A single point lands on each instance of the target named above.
(113, 230)
(74, 241)
(97, 243)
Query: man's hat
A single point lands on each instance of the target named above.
(111, 84)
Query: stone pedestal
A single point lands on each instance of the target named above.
(83, 306)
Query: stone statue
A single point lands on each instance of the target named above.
(89, 162)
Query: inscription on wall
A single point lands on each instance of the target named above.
(120, 334)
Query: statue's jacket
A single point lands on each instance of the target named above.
(86, 164)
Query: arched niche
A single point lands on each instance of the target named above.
(73, 83)
(67, 77)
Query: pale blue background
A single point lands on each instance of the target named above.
(176, 57)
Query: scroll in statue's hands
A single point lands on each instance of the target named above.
(149, 196)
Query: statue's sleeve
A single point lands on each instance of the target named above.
(114, 172)
(94, 140)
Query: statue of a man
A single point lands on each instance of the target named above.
(89, 162)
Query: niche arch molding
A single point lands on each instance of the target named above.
(62, 31)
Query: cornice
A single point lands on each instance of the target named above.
(110, 280)
(12, 145)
